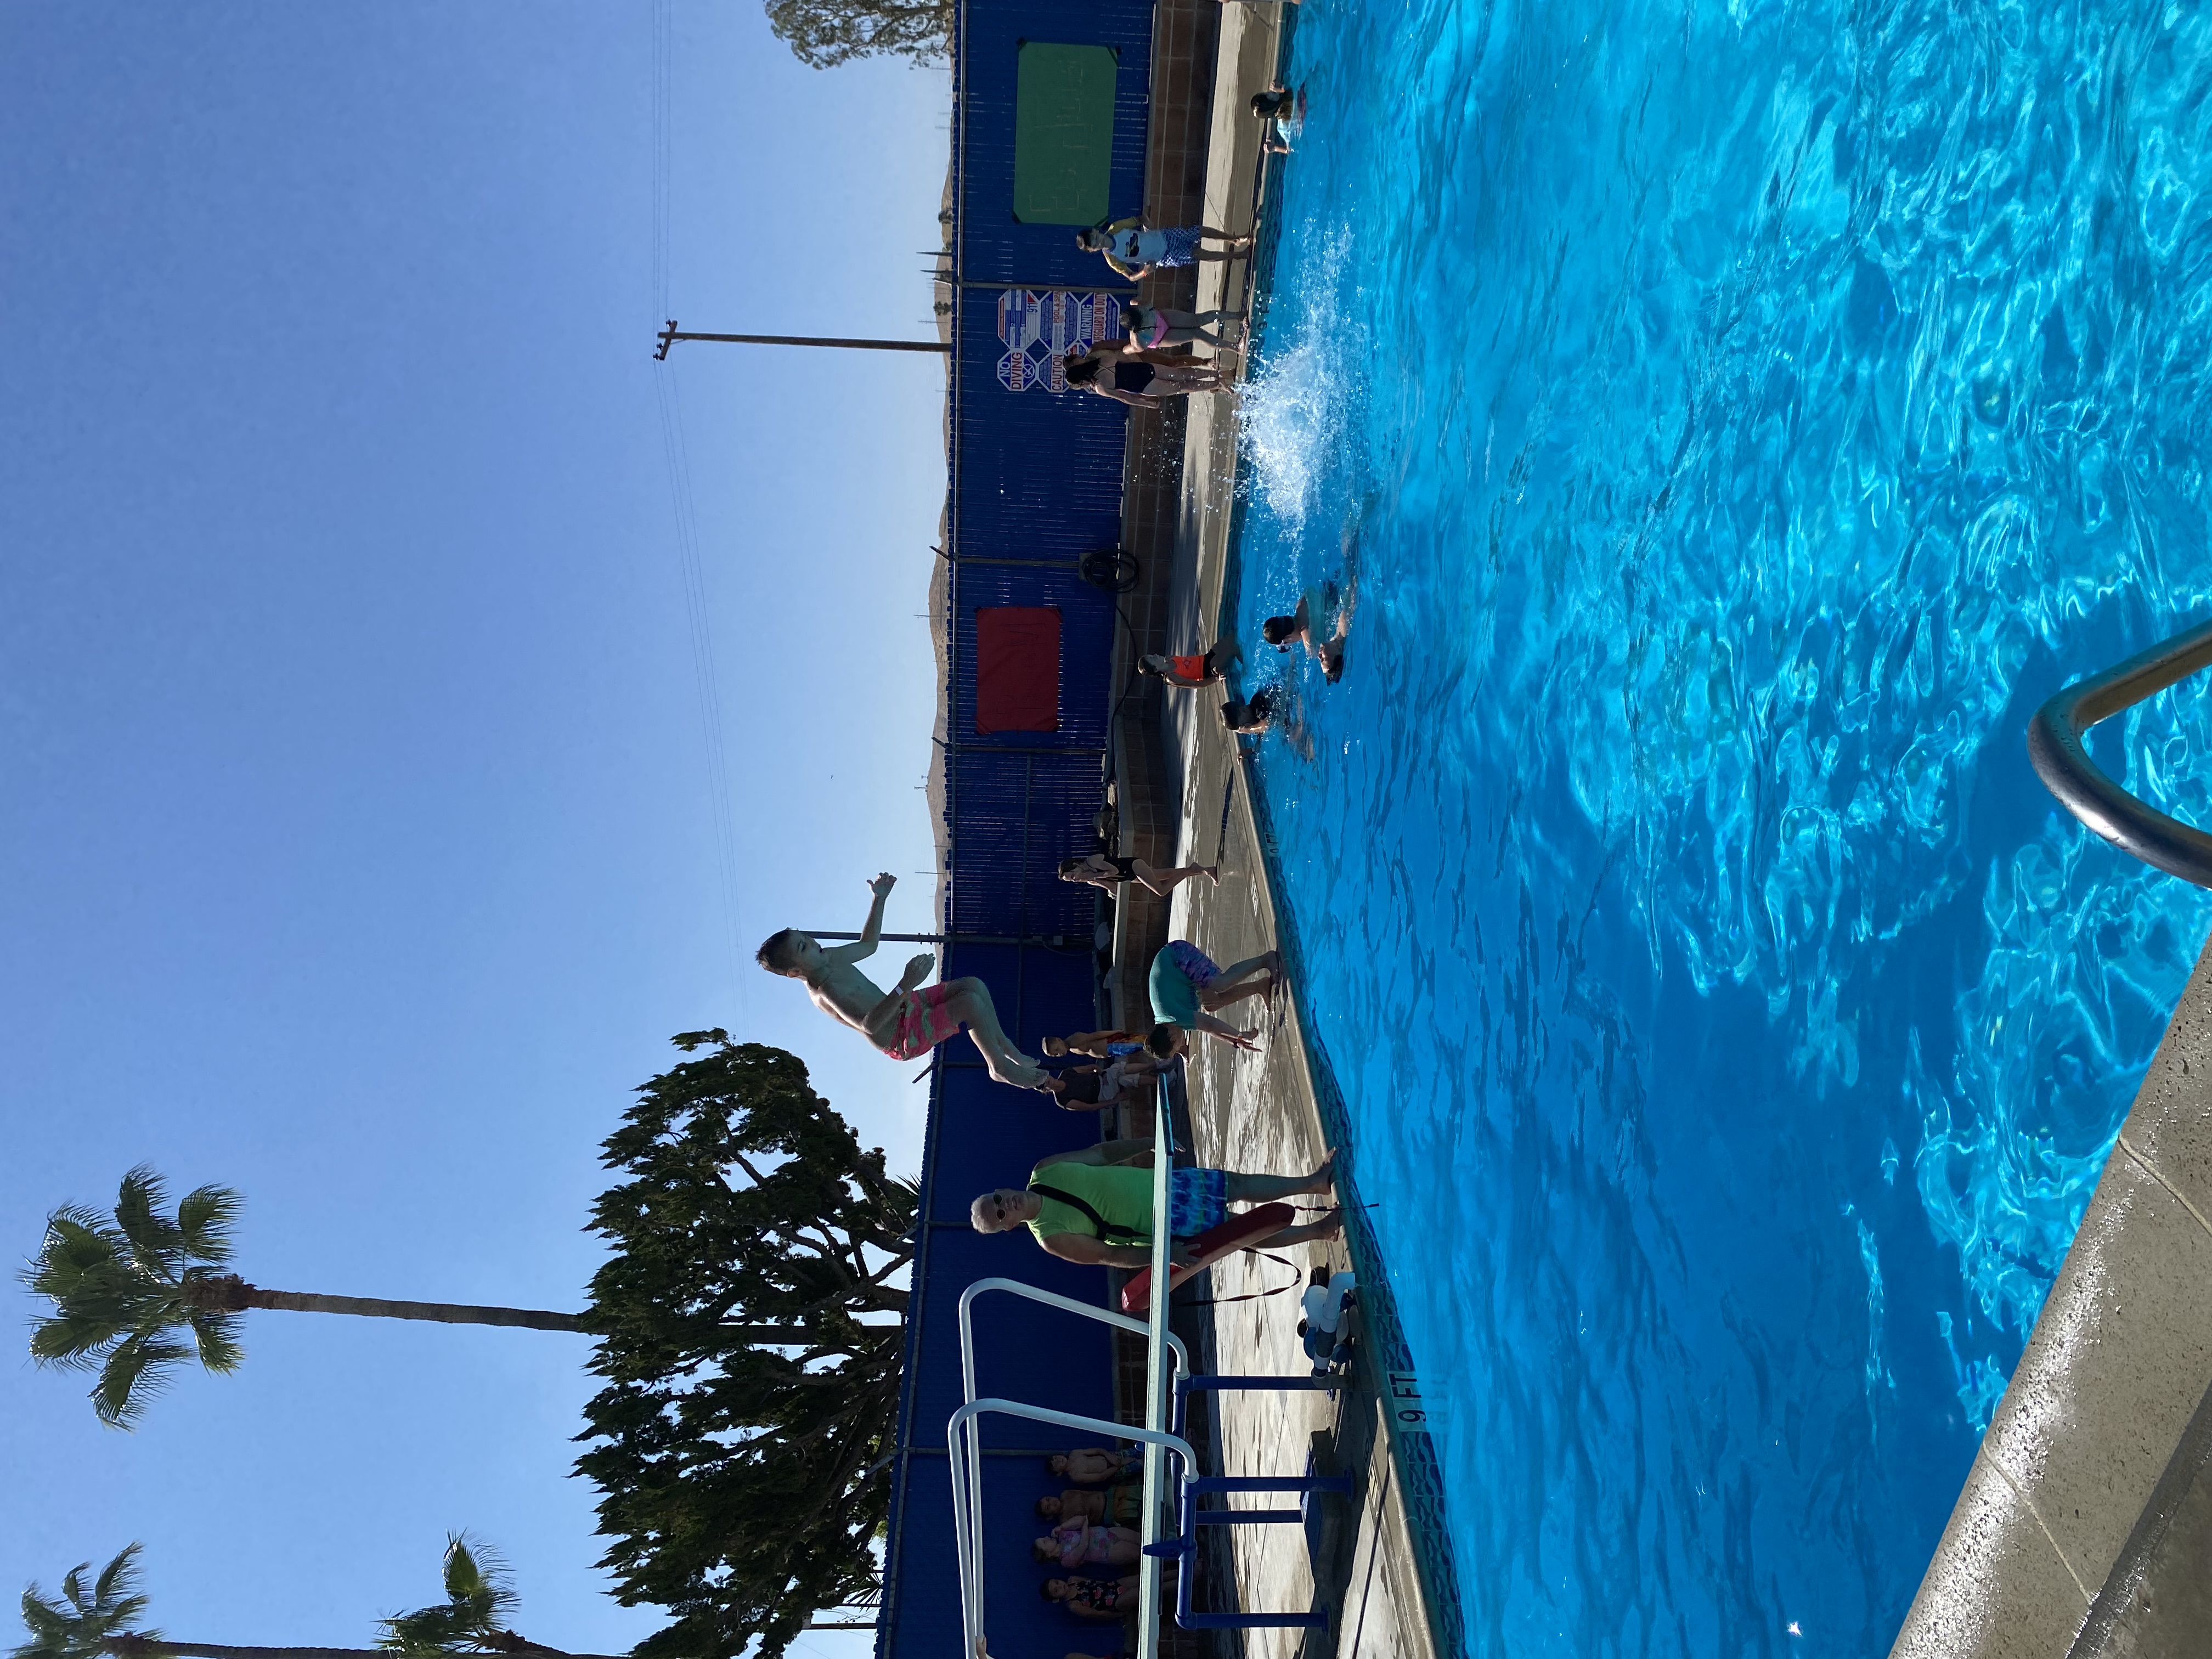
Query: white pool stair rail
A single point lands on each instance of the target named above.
(963, 1435)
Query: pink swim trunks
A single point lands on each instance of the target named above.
(922, 1023)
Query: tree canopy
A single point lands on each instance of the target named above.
(93, 1619)
(128, 1292)
(737, 1475)
(88, 1616)
(825, 33)
(473, 1619)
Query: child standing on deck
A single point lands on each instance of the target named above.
(906, 1022)
(1132, 249)
(1186, 987)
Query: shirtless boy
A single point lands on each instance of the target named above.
(906, 1022)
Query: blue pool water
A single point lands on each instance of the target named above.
(1738, 419)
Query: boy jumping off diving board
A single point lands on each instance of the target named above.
(907, 1022)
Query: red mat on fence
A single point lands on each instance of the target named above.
(1018, 668)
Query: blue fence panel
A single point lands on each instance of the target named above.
(1018, 816)
(1039, 472)
(1087, 616)
(994, 245)
(992, 1136)
(1037, 484)
(1039, 992)
(1024, 1350)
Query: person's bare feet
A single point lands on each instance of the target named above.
(1324, 1178)
(1213, 873)
(1331, 1224)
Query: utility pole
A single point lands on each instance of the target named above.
(669, 336)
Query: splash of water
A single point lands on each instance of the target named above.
(1297, 411)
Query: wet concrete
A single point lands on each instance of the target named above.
(2085, 1528)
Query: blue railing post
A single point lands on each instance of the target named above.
(1185, 1546)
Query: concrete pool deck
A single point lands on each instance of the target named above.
(2085, 1528)
(1360, 1557)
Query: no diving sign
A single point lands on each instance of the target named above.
(1039, 328)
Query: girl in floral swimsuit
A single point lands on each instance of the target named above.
(1091, 1598)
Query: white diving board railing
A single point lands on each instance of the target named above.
(966, 1520)
(967, 1494)
(963, 1435)
(1158, 1407)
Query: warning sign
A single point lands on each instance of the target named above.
(1040, 328)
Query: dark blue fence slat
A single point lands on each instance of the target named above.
(1037, 480)
(994, 246)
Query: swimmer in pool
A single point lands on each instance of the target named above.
(1250, 716)
(906, 1022)
(1284, 112)
(1303, 627)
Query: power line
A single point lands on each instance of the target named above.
(668, 398)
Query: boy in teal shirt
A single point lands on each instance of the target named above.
(1186, 987)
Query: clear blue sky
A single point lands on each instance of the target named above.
(358, 813)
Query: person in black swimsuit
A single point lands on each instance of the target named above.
(1139, 384)
(1108, 871)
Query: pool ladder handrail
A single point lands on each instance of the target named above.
(2061, 760)
(964, 1444)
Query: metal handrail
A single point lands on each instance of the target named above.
(1157, 1406)
(973, 1472)
(2062, 761)
(967, 1522)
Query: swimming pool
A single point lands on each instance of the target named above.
(1737, 420)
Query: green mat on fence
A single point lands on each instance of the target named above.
(1063, 133)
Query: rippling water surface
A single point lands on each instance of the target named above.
(1735, 420)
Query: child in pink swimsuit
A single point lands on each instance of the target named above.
(1079, 1544)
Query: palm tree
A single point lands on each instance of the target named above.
(89, 1624)
(137, 1295)
(473, 1619)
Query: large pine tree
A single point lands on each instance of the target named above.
(738, 1479)
(825, 33)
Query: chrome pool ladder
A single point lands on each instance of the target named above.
(2061, 760)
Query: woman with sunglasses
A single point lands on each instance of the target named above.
(1095, 1205)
